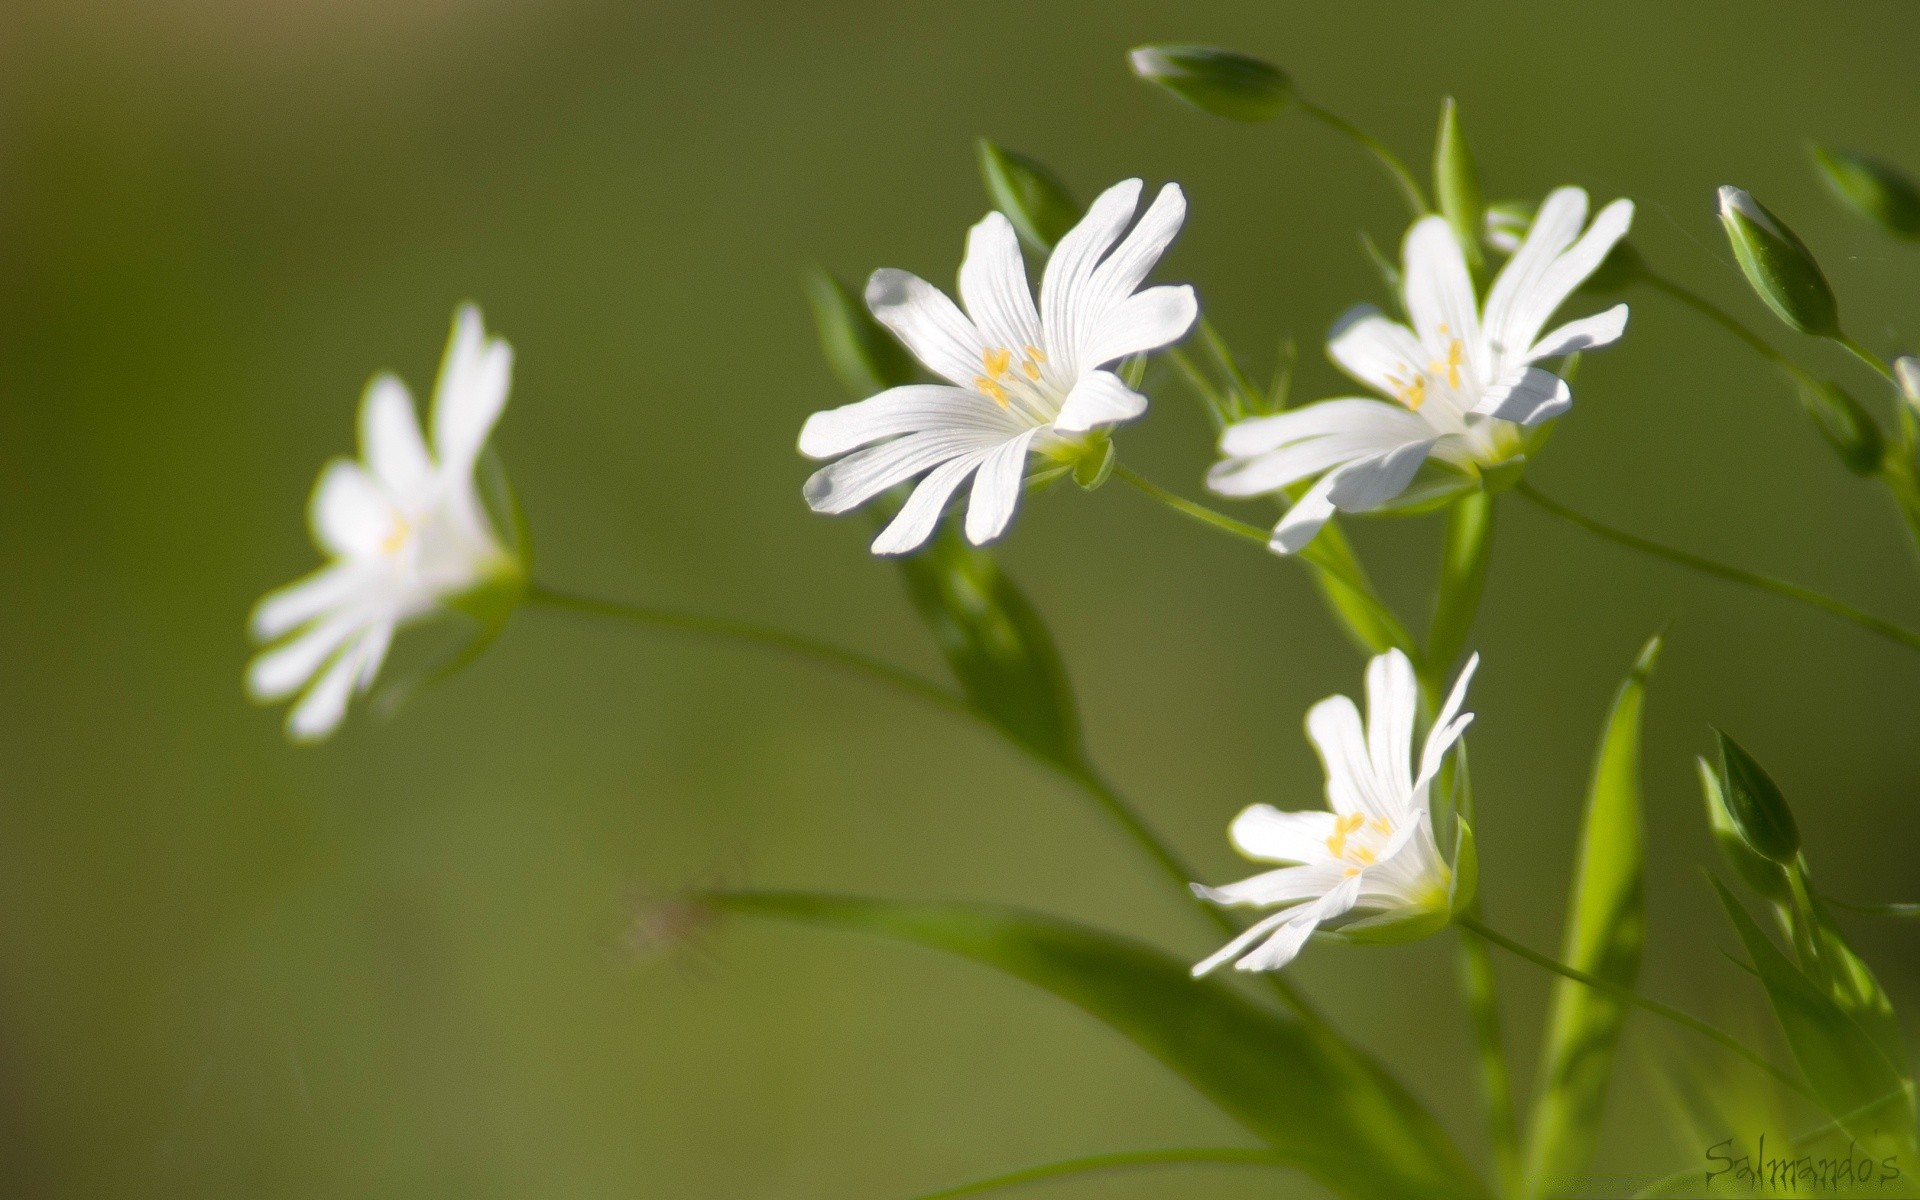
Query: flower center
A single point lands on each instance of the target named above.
(997, 363)
(1356, 840)
(398, 534)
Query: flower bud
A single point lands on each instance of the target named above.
(1032, 197)
(863, 356)
(1778, 265)
(1754, 803)
(1456, 183)
(1763, 876)
(1906, 371)
(1876, 191)
(1236, 86)
(1854, 435)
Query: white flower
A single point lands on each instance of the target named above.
(1021, 378)
(1463, 380)
(1374, 853)
(405, 527)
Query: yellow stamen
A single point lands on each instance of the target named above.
(989, 387)
(1364, 856)
(996, 361)
(397, 536)
(1456, 351)
(1342, 827)
(1031, 369)
(1350, 872)
(1381, 825)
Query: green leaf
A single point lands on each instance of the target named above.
(1349, 595)
(864, 357)
(1844, 1065)
(1032, 197)
(1463, 577)
(1852, 432)
(1606, 929)
(1759, 811)
(1456, 185)
(1877, 191)
(997, 646)
(1227, 84)
(1315, 1100)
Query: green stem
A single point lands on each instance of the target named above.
(1877, 910)
(1402, 178)
(763, 636)
(1496, 1082)
(1124, 1161)
(1085, 778)
(1868, 357)
(1727, 321)
(1188, 508)
(1628, 996)
(1198, 381)
(1719, 570)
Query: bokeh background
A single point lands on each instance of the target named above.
(400, 964)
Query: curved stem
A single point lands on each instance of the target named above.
(1719, 570)
(1868, 357)
(1727, 321)
(1191, 509)
(1202, 386)
(1126, 1160)
(1628, 996)
(1496, 1082)
(763, 636)
(1402, 178)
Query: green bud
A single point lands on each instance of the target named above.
(1034, 199)
(1764, 877)
(1456, 184)
(1753, 802)
(1854, 434)
(1238, 87)
(1091, 469)
(1778, 265)
(863, 356)
(1878, 192)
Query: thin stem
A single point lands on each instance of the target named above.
(1496, 1082)
(763, 636)
(1124, 1161)
(1868, 357)
(1896, 909)
(1719, 570)
(1402, 178)
(1197, 379)
(1188, 508)
(1628, 996)
(1727, 321)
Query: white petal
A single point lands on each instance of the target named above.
(1334, 727)
(1383, 354)
(1534, 304)
(287, 608)
(1285, 944)
(1553, 230)
(927, 323)
(1065, 285)
(1127, 267)
(1284, 886)
(1371, 422)
(920, 515)
(914, 408)
(371, 653)
(471, 394)
(1245, 938)
(996, 489)
(1304, 518)
(1265, 833)
(993, 286)
(280, 671)
(1393, 701)
(319, 711)
(1601, 329)
(1260, 474)
(1526, 396)
(1448, 725)
(1438, 289)
(1100, 398)
(391, 444)
(349, 514)
(864, 474)
(1371, 482)
(1146, 321)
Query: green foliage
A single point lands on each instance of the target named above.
(863, 356)
(1463, 577)
(1763, 876)
(1759, 812)
(1778, 265)
(1032, 196)
(1854, 435)
(1606, 929)
(1846, 1066)
(1349, 594)
(1456, 184)
(1227, 84)
(1877, 191)
(998, 648)
(1315, 1100)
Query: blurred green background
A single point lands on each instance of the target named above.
(400, 964)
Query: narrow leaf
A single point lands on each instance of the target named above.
(863, 356)
(1316, 1101)
(1606, 929)
(1032, 197)
(1456, 184)
(1463, 577)
(998, 648)
(1846, 1068)
(1349, 595)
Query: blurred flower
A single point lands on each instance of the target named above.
(1374, 853)
(1463, 379)
(407, 530)
(1020, 378)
